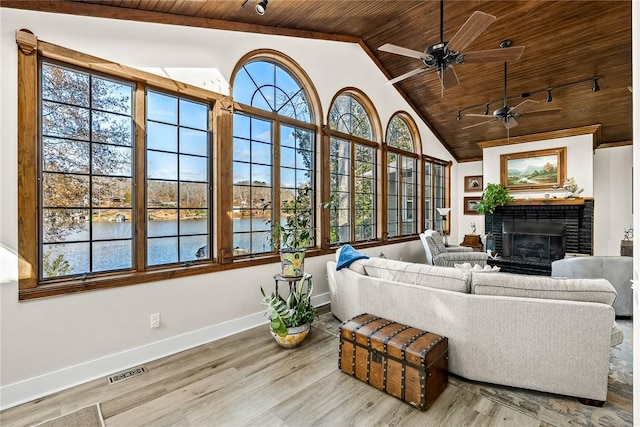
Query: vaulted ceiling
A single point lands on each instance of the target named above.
(567, 45)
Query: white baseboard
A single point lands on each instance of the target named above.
(52, 382)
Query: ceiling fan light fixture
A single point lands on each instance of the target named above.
(549, 97)
(596, 87)
(261, 7)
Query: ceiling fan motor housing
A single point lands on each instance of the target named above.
(438, 55)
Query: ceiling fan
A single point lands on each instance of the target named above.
(507, 115)
(444, 54)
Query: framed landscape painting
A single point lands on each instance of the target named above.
(534, 170)
(473, 183)
(471, 205)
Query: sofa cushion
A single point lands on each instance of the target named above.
(419, 274)
(520, 285)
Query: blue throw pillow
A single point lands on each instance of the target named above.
(347, 256)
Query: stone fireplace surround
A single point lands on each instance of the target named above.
(575, 214)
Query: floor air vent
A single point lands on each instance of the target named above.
(121, 376)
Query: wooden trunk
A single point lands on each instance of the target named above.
(402, 361)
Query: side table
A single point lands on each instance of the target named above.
(472, 241)
(290, 280)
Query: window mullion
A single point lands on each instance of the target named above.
(140, 181)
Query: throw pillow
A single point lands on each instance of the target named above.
(348, 255)
(437, 239)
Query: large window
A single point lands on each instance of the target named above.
(352, 172)
(402, 178)
(86, 184)
(436, 193)
(177, 179)
(115, 181)
(273, 154)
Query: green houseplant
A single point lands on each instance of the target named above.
(295, 233)
(291, 317)
(493, 196)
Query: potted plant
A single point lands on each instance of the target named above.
(291, 317)
(494, 195)
(295, 233)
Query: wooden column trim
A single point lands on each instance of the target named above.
(28, 159)
(140, 174)
(223, 154)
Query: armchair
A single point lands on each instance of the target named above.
(447, 256)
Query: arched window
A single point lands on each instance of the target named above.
(402, 176)
(352, 172)
(273, 151)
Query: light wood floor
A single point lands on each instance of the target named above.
(247, 380)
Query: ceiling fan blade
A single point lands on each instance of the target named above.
(511, 123)
(493, 55)
(406, 75)
(475, 25)
(448, 77)
(541, 112)
(477, 115)
(399, 50)
(478, 124)
(523, 103)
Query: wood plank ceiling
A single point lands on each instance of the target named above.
(565, 42)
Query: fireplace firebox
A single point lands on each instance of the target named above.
(533, 240)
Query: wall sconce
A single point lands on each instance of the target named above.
(595, 88)
(549, 97)
(261, 7)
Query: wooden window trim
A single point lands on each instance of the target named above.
(30, 51)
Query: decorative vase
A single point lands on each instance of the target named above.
(294, 336)
(292, 262)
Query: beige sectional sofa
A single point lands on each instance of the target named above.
(534, 332)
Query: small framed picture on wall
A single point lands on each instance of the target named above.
(471, 205)
(473, 183)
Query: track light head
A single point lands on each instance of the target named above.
(486, 110)
(459, 117)
(261, 7)
(549, 97)
(596, 87)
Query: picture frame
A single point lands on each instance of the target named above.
(473, 183)
(471, 205)
(534, 170)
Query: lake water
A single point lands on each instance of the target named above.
(117, 254)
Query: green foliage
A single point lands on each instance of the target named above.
(494, 195)
(295, 310)
(59, 266)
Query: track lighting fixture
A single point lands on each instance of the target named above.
(261, 7)
(549, 98)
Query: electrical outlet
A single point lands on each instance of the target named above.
(155, 320)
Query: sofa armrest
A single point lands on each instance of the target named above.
(456, 249)
(451, 258)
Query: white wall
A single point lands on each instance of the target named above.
(604, 175)
(464, 223)
(53, 343)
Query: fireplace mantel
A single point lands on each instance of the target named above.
(548, 201)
